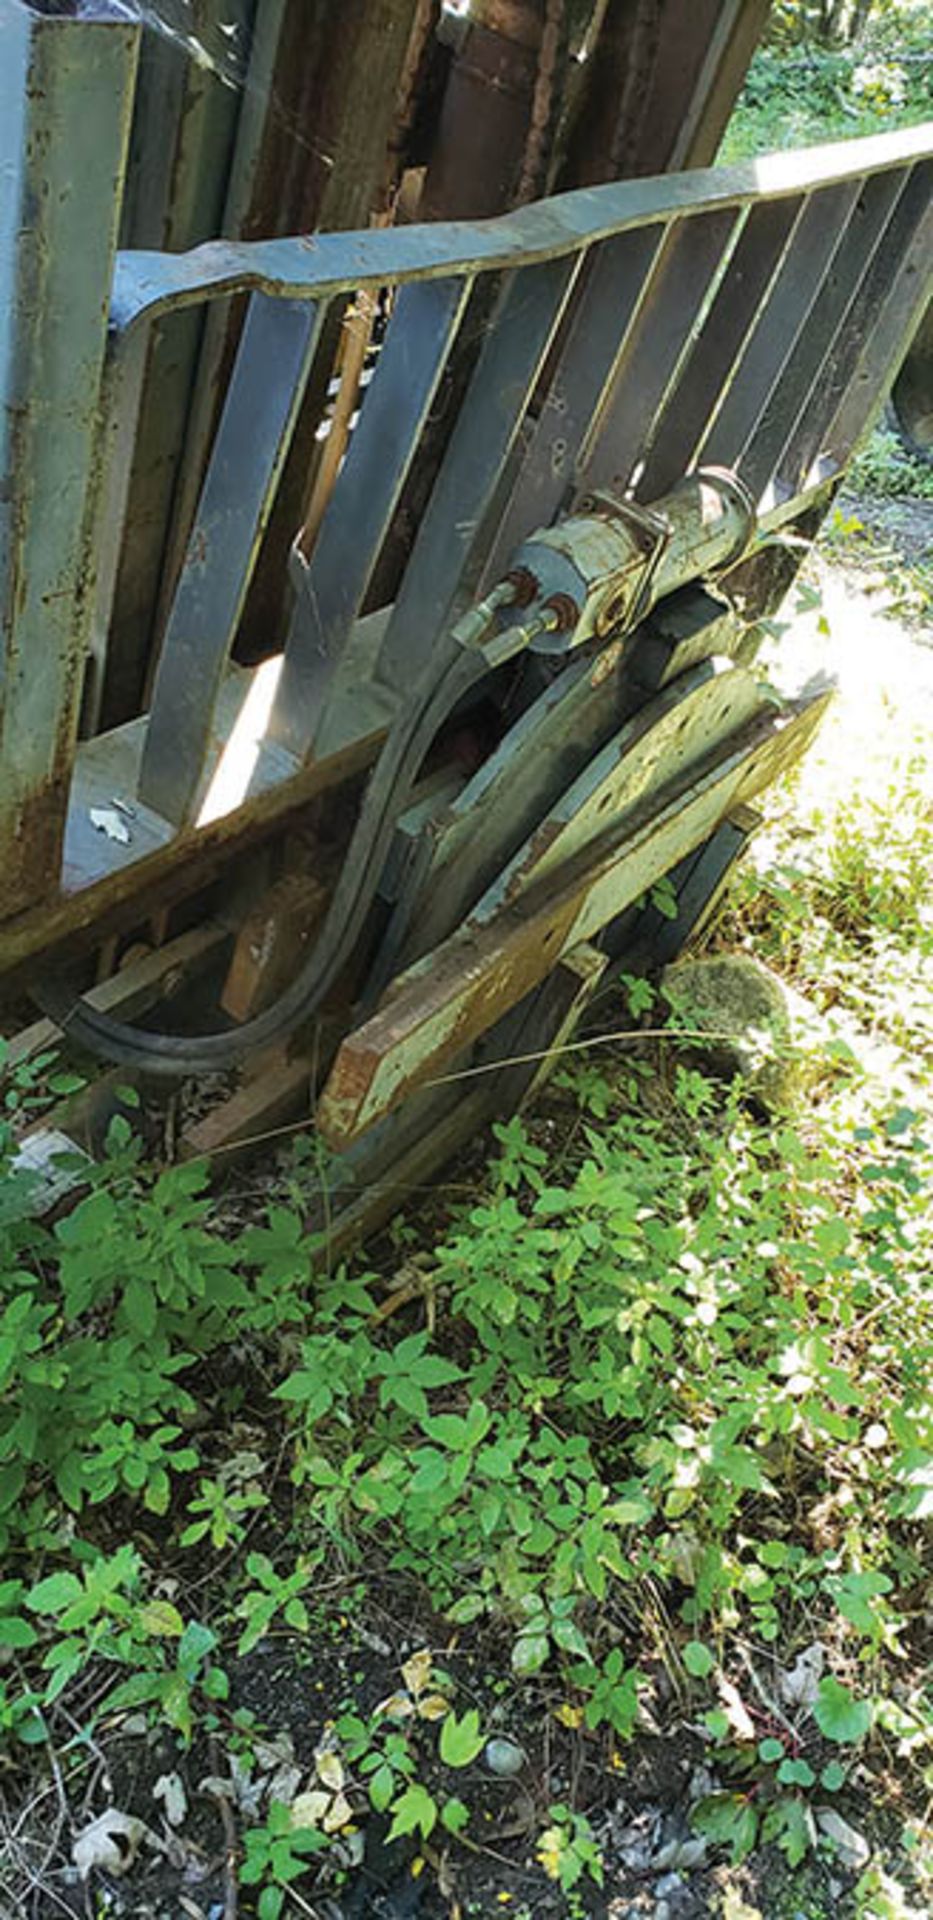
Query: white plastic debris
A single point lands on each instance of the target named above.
(107, 820)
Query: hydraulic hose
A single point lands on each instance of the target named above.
(174, 1056)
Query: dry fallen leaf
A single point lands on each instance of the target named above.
(433, 1706)
(338, 1814)
(309, 1809)
(169, 1788)
(112, 1841)
(284, 1784)
(737, 1714)
(399, 1706)
(799, 1685)
(329, 1767)
(278, 1750)
(416, 1671)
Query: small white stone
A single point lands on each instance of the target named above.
(852, 1846)
(505, 1757)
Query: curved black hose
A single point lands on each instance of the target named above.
(171, 1056)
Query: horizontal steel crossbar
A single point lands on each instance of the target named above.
(317, 266)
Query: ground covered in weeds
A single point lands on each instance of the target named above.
(565, 1555)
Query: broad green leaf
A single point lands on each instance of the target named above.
(466, 1609)
(454, 1815)
(796, 1773)
(727, 1819)
(414, 1810)
(530, 1652)
(381, 1788)
(697, 1659)
(16, 1632)
(159, 1617)
(55, 1593)
(838, 1714)
(791, 1824)
(461, 1739)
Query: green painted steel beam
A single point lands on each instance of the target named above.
(66, 92)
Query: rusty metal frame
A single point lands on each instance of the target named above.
(513, 442)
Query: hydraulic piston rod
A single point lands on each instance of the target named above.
(603, 568)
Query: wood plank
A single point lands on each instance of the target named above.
(271, 943)
(156, 976)
(451, 995)
(689, 722)
(279, 1091)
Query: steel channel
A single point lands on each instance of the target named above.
(771, 342)
(269, 377)
(806, 442)
(680, 287)
(121, 393)
(66, 89)
(789, 397)
(448, 550)
(410, 365)
(689, 406)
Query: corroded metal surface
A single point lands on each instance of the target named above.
(65, 97)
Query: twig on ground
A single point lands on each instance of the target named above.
(225, 1811)
(765, 1697)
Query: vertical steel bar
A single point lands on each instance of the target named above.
(66, 89)
(771, 342)
(186, 115)
(896, 321)
(675, 298)
(733, 312)
(791, 393)
(449, 550)
(331, 585)
(807, 441)
(614, 279)
(258, 103)
(265, 393)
